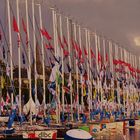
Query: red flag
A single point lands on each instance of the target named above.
(99, 57)
(85, 51)
(61, 44)
(92, 54)
(66, 53)
(46, 34)
(65, 41)
(80, 53)
(18, 41)
(115, 62)
(24, 26)
(15, 26)
(49, 46)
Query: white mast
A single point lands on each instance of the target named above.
(69, 57)
(87, 45)
(43, 63)
(90, 74)
(56, 49)
(34, 45)
(77, 76)
(62, 56)
(10, 45)
(19, 57)
(81, 77)
(29, 58)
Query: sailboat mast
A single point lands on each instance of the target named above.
(34, 46)
(43, 63)
(10, 46)
(61, 37)
(29, 58)
(81, 77)
(77, 76)
(70, 76)
(19, 57)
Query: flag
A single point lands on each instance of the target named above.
(7, 70)
(3, 52)
(45, 34)
(61, 44)
(66, 53)
(92, 54)
(49, 46)
(2, 82)
(15, 26)
(23, 58)
(66, 89)
(7, 98)
(85, 52)
(11, 118)
(24, 26)
(99, 57)
(69, 68)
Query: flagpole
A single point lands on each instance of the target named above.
(19, 57)
(69, 57)
(34, 44)
(29, 58)
(10, 45)
(81, 77)
(77, 77)
(43, 63)
(61, 38)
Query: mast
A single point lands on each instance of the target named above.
(34, 46)
(90, 74)
(43, 63)
(10, 45)
(19, 57)
(29, 58)
(70, 76)
(81, 77)
(77, 77)
(62, 57)
(87, 45)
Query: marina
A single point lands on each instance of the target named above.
(60, 80)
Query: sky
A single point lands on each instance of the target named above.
(118, 20)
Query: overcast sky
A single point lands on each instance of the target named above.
(116, 19)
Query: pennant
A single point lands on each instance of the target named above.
(2, 82)
(45, 34)
(50, 47)
(15, 26)
(66, 89)
(99, 57)
(69, 68)
(3, 52)
(66, 53)
(61, 44)
(7, 70)
(85, 52)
